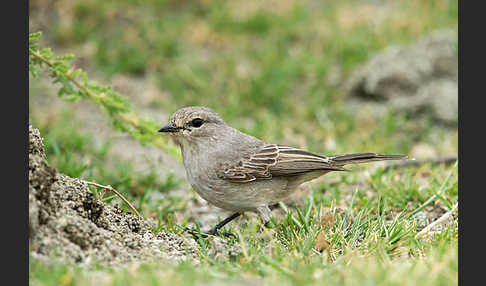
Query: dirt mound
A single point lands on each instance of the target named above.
(65, 219)
(418, 78)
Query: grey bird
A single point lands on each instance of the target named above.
(240, 173)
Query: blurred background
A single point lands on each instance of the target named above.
(328, 76)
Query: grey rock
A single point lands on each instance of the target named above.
(418, 78)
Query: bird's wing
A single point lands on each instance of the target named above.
(276, 160)
(293, 161)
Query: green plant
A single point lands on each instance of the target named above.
(75, 85)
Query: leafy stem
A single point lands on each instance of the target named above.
(75, 86)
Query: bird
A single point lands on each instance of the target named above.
(240, 173)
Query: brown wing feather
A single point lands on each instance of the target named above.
(276, 160)
(256, 167)
(292, 161)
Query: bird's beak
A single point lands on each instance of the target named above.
(171, 127)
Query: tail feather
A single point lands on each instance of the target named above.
(358, 158)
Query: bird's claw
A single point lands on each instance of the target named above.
(212, 232)
(195, 233)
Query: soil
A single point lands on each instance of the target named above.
(66, 220)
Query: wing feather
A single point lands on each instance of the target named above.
(276, 160)
(293, 161)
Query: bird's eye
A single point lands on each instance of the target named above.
(197, 122)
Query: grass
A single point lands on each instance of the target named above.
(368, 242)
(276, 72)
(436, 268)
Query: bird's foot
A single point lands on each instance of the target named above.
(197, 234)
(269, 225)
(262, 226)
(225, 234)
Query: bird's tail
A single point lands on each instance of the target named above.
(341, 160)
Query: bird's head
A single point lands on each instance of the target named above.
(193, 123)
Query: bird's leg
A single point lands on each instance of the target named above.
(214, 230)
(265, 215)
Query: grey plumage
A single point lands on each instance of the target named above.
(238, 172)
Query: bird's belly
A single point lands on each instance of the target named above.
(245, 196)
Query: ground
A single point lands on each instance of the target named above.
(285, 73)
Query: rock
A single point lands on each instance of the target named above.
(418, 78)
(441, 95)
